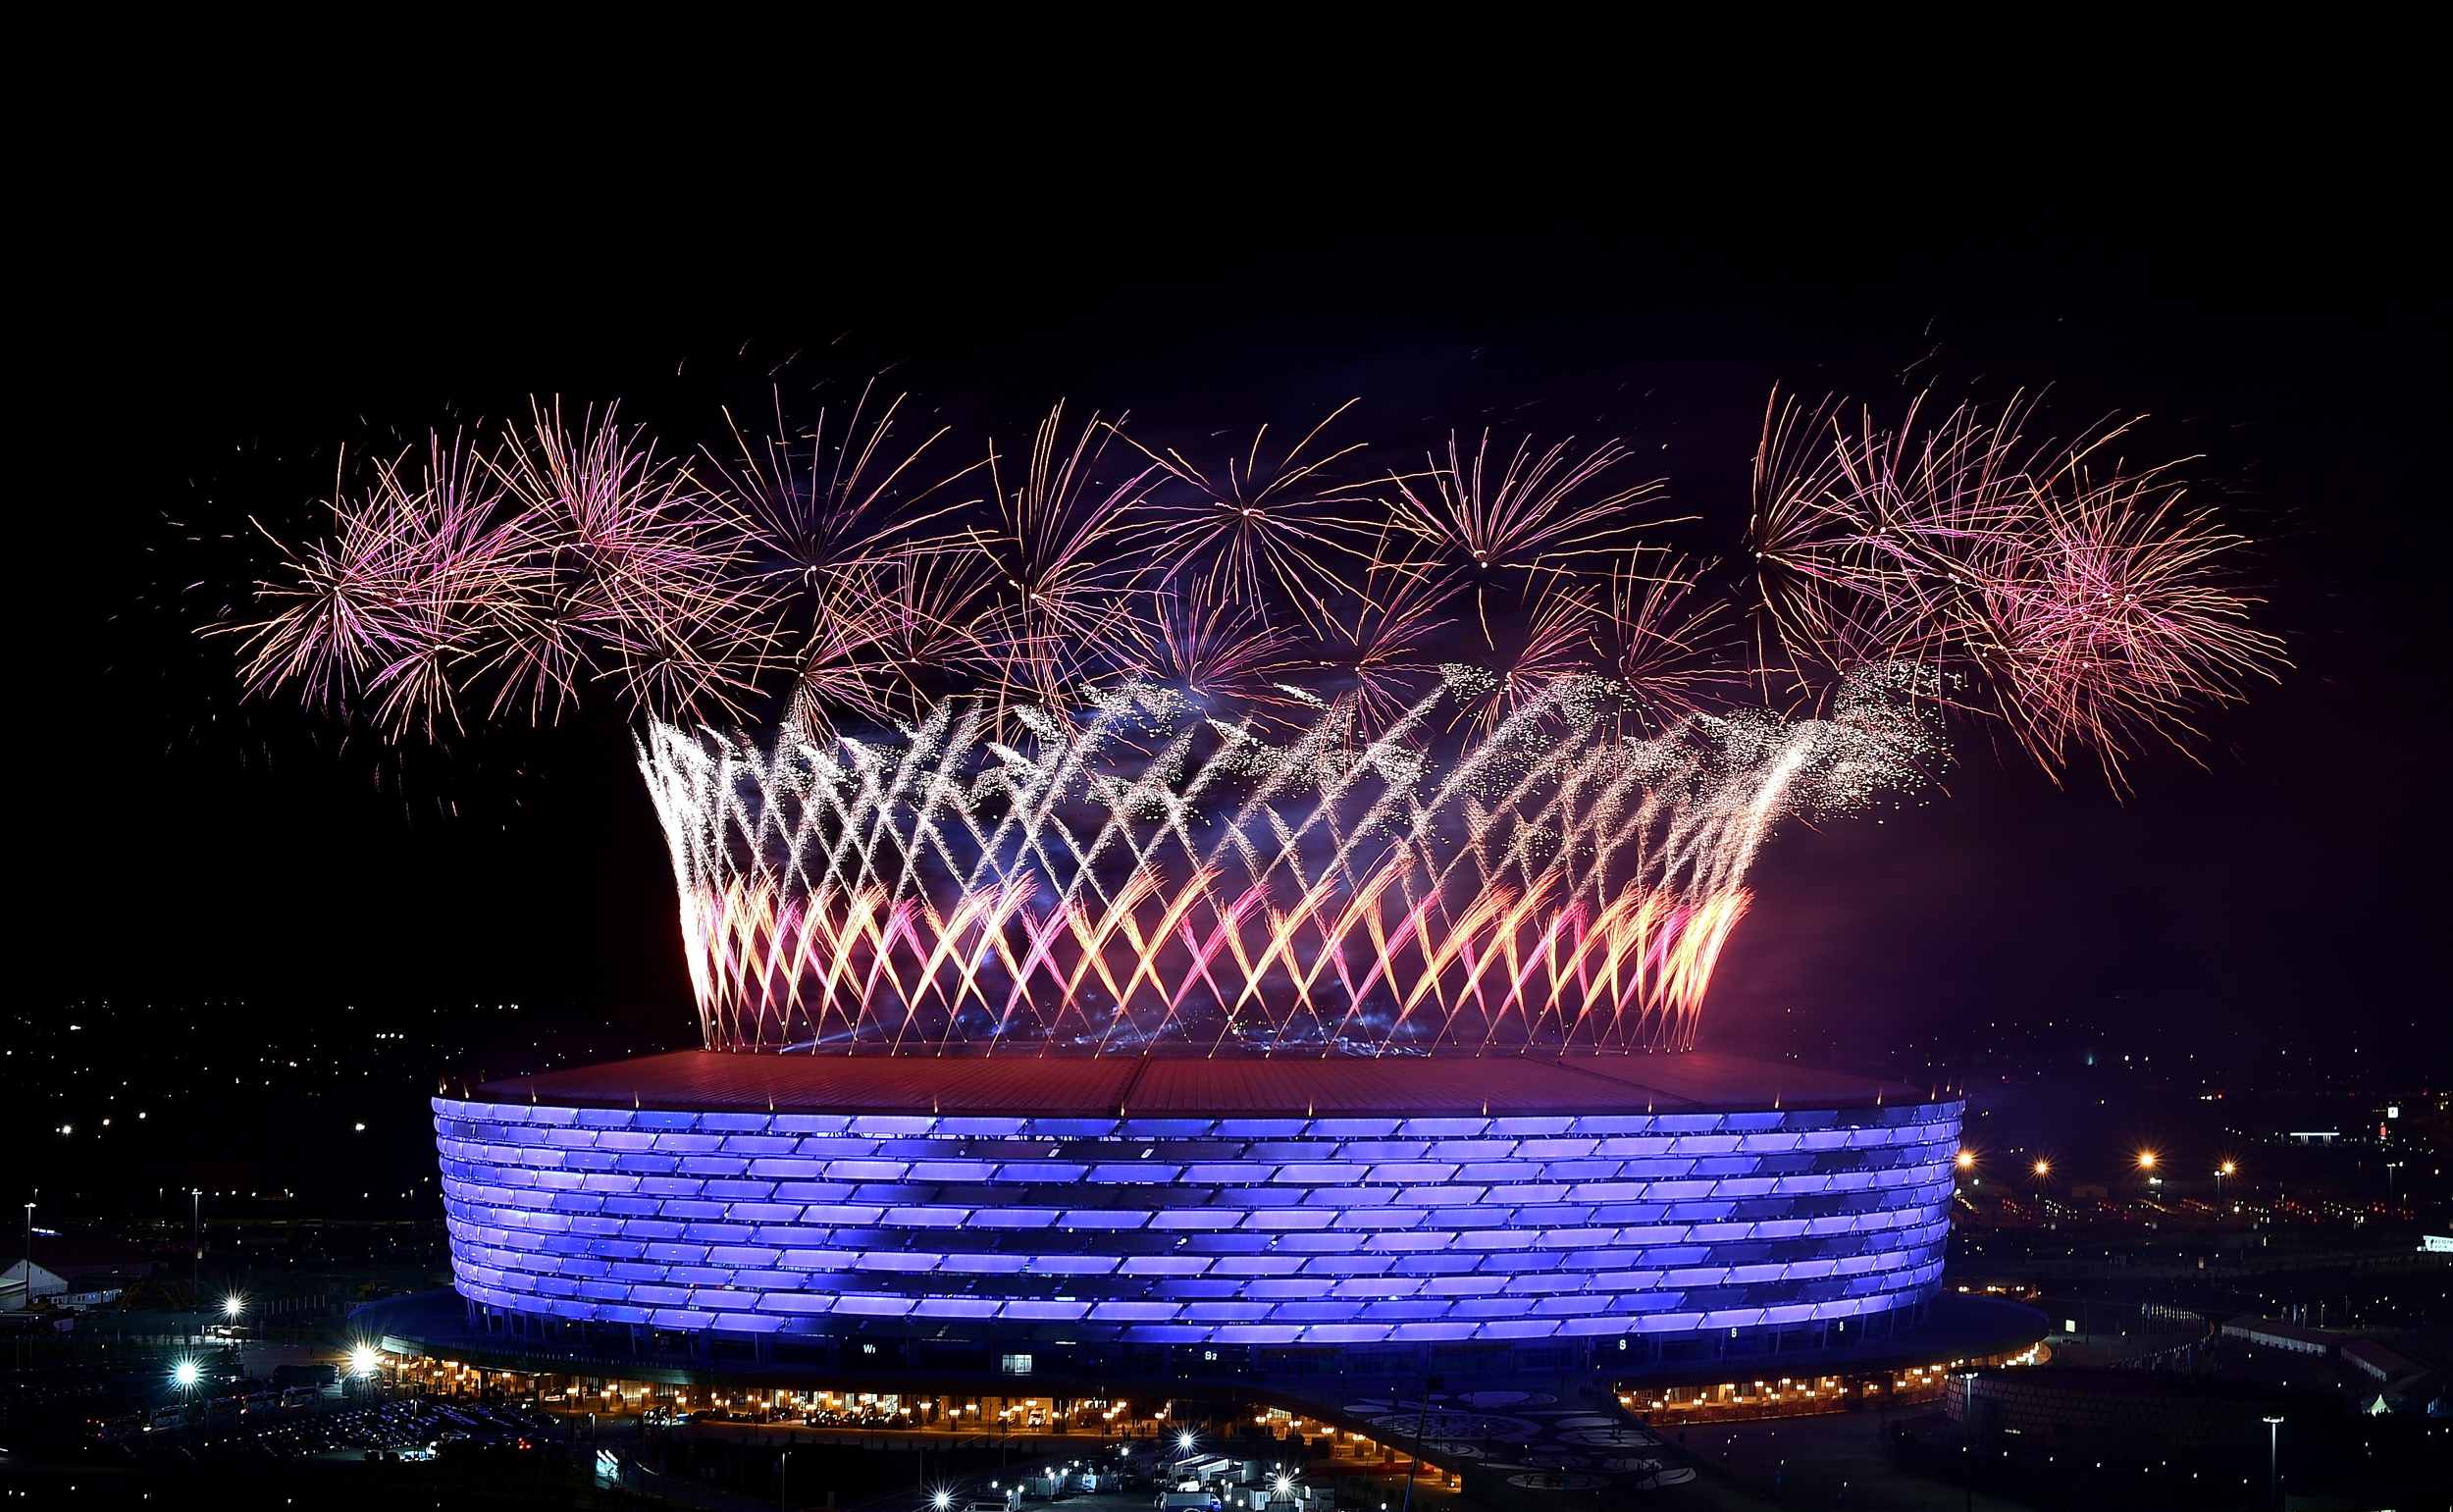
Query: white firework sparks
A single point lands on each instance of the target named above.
(1141, 879)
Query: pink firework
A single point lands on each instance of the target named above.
(1060, 607)
(1487, 512)
(1532, 652)
(1260, 531)
(1112, 750)
(2077, 601)
(1672, 655)
(2115, 620)
(818, 506)
(1218, 651)
(1380, 653)
(626, 571)
(390, 610)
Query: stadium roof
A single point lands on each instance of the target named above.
(1158, 1086)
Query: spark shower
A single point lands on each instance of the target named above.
(1292, 753)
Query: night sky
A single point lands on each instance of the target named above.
(2280, 906)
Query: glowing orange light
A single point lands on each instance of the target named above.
(2146, 1160)
(856, 965)
(1966, 1159)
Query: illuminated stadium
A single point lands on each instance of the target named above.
(1625, 1210)
(1149, 917)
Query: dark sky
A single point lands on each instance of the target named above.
(201, 365)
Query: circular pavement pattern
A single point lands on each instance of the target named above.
(1559, 1481)
(1483, 1400)
(1556, 1459)
(1610, 1437)
(1474, 1427)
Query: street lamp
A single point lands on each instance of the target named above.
(232, 1306)
(2274, 1460)
(1967, 1431)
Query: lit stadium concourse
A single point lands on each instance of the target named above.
(1117, 1223)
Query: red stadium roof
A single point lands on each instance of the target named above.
(1162, 1086)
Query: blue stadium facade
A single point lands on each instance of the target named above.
(1650, 1207)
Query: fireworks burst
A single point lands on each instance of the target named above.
(826, 509)
(1123, 753)
(2077, 603)
(1376, 656)
(560, 557)
(1254, 534)
(1666, 650)
(1218, 653)
(1542, 506)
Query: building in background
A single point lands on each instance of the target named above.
(70, 1270)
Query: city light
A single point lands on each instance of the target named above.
(2230, 1166)
(2146, 1160)
(233, 1306)
(363, 1360)
(1967, 1157)
(1183, 1440)
(185, 1373)
(2044, 1169)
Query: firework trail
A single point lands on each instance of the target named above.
(1115, 752)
